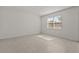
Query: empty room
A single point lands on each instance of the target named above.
(39, 29)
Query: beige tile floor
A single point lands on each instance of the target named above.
(38, 44)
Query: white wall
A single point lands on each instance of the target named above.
(70, 22)
(15, 22)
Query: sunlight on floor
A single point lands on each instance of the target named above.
(46, 37)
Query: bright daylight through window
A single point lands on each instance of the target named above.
(54, 22)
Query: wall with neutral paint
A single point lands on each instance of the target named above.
(15, 22)
(70, 24)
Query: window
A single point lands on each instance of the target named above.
(54, 22)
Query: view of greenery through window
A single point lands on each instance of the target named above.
(54, 22)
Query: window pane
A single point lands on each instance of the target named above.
(54, 22)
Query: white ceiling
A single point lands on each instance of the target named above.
(43, 10)
(40, 10)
